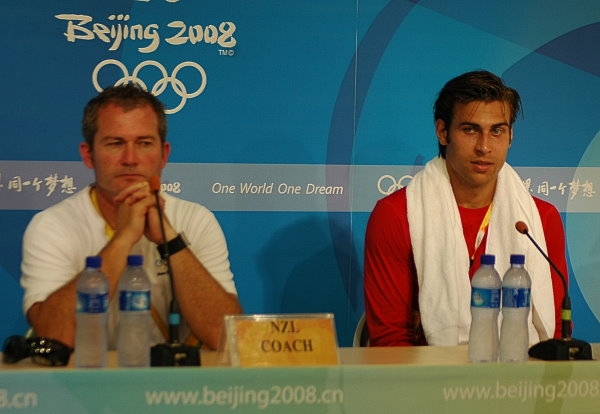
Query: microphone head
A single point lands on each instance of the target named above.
(521, 227)
(154, 183)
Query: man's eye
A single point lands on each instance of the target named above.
(145, 145)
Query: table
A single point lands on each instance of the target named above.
(368, 380)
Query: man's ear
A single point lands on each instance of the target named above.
(441, 131)
(86, 154)
(166, 151)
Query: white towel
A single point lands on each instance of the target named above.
(442, 259)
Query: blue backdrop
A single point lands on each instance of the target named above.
(290, 119)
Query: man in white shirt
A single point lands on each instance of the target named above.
(125, 144)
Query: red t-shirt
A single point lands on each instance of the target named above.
(390, 276)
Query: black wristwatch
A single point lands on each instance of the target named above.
(173, 246)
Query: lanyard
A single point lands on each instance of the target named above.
(482, 229)
(108, 230)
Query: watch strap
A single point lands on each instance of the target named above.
(173, 246)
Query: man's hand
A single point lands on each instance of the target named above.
(134, 203)
(153, 230)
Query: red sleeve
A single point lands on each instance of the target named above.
(390, 276)
(555, 245)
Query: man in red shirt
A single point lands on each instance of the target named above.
(423, 242)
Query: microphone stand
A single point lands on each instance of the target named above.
(567, 348)
(173, 352)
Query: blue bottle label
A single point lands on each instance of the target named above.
(134, 301)
(92, 302)
(516, 297)
(485, 298)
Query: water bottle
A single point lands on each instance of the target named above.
(485, 308)
(133, 343)
(516, 299)
(92, 305)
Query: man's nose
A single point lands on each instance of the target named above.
(483, 142)
(129, 154)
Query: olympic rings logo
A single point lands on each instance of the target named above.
(387, 184)
(160, 86)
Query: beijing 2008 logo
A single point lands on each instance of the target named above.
(159, 86)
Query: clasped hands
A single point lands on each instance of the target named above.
(138, 214)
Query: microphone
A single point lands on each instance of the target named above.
(174, 313)
(565, 348)
(173, 353)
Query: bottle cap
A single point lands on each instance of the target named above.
(135, 260)
(517, 259)
(488, 259)
(93, 261)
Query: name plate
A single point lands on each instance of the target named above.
(278, 340)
